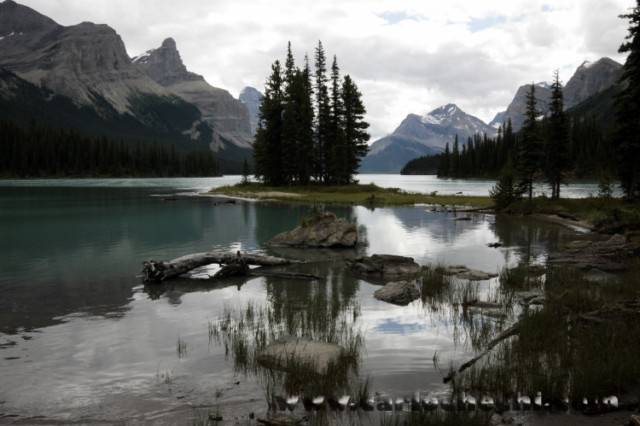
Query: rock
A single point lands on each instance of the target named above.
(465, 273)
(385, 266)
(323, 231)
(494, 245)
(398, 293)
(294, 353)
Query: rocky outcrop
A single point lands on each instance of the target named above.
(227, 116)
(323, 230)
(293, 354)
(384, 266)
(398, 293)
(465, 273)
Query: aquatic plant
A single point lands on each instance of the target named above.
(181, 348)
(583, 342)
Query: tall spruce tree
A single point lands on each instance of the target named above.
(335, 147)
(455, 158)
(443, 166)
(355, 127)
(305, 126)
(290, 122)
(557, 140)
(323, 113)
(529, 152)
(627, 135)
(267, 147)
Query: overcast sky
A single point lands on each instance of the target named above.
(406, 56)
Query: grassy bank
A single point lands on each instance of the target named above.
(603, 214)
(355, 194)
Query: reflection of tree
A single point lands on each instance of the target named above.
(323, 311)
(583, 343)
(531, 238)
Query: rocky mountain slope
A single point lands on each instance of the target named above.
(422, 135)
(227, 116)
(589, 80)
(252, 98)
(86, 68)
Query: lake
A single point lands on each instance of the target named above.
(82, 339)
(422, 184)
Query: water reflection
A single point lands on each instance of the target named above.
(77, 327)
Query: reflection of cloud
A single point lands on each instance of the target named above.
(432, 237)
(392, 326)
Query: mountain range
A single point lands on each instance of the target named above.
(589, 90)
(422, 135)
(81, 76)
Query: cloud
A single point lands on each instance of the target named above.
(408, 56)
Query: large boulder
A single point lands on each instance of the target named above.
(294, 353)
(385, 266)
(323, 230)
(398, 293)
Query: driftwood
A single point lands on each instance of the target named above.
(512, 331)
(235, 264)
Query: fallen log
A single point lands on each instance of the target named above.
(154, 271)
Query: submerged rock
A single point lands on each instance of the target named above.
(465, 273)
(292, 354)
(385, 266)
(398, 293)
(323, 230)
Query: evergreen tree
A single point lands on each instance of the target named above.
(245, 172)
(323, 113)
(336, 155)
(267, 146)
(290, 121)
(529, 151)
(556, 144)
(443, 168)
(355, 128)
(505, 192)
(305, 128)
(627, 136)
(455, 158)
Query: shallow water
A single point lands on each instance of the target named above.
(82, 338)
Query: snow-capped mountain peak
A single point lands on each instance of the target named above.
(441, 115)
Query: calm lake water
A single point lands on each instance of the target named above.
(82, 339)
(421, 184)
